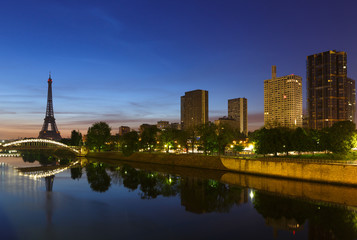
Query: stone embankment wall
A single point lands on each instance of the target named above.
(183, 160)
(285, 168)
(288, 168)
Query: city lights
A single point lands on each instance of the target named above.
(251, 195)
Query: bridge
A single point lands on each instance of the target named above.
(37, 143)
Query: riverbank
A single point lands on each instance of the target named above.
(337, 173)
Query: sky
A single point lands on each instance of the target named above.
(127, 62)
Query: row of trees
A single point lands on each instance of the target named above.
(340, 138)
(209, 138)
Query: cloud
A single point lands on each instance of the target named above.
(215, 114)
(6, 112)
(77, 113)
(137, 104)
(256, 117)
(105, 17)
(72, 97)
(36, 112)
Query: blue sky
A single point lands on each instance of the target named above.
(128, 62)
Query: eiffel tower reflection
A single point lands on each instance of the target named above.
(48, 173)
(49, 183)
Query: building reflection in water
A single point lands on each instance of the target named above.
(203, 196)
(49, 205)
(199, 195)
(283, 223)
(325, 221)
(51, 163)
(49, 183)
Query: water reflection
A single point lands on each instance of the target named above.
(325, 221)
(51, 161)
(76, 172)
(49, 183)
(199, 196)
(97, 177)
(151, 184)
(48, 157)
(203, 195)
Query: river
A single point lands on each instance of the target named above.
(95, 199)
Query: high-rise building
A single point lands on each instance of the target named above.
(163, 125)
(123, 130)
(194, 108)
(283, 101)
(330, 94)
(232, 123)
(351, 96)
(237, 110)
(146, 126)
(175, 126)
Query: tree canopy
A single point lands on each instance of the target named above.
(97, 136)
(76, 138)
(148, 137)
(130, 143)
(340, 139)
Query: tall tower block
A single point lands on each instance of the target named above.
(283, 100)
(49, 129)
(237, 110)
(330, 94)
(194, 108)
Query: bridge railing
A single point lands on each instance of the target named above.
(37, 143)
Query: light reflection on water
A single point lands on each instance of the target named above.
(13, 183)
(119, 201)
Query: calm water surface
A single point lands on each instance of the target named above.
(95, 200)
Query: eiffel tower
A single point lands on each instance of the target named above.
(49, 128)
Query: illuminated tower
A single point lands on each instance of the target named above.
(283, 101)
(49, 128)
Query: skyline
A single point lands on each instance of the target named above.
(128, 63)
